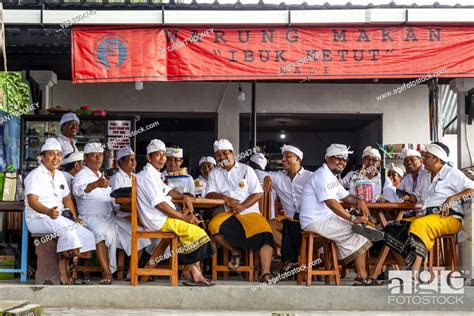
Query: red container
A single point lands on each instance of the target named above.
(365, 190)
(99, 113)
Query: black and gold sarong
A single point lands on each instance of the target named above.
(249, 231)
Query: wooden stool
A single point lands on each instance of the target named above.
(47, 263)
(444, 253)
(306, 259)
(249, 268)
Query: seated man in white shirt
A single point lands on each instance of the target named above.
(241, 226)
(205, 166)
(369, 172)
(69, 124)
(174, 160)
(411, 183)
(71, 165)
(158, 213)
(322, 213)
(92, 192)
(288, 185)
(442, 193)
(47, 194)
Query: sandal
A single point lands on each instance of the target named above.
(234, 262)
(192, 283)
(366, 282)
(267, 278)
(106, 281)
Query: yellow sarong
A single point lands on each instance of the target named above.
(253, 223)
(432, 226)
(190, 237)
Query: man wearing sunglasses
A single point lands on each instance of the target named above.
(322, 213)
(69, 128)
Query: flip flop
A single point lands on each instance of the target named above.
(234, 262)
(192, 283)
(106, 281)
(366, 282)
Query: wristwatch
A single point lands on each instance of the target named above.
(353, 218)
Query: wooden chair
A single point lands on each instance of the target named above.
(311, 241)
(251, 257)
(167, 239)
(444, 253)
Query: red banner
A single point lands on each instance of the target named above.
(249, 53)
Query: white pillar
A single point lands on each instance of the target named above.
(46, 80)
(228, 117)
(465, 135)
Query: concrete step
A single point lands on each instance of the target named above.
(230, 295)
(19, 308)
(27, 310)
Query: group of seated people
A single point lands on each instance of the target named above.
(311, 201)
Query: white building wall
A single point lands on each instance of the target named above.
(405, 116)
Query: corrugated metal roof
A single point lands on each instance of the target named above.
(177, 4)
(448, 107)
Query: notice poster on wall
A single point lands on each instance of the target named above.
(118, 128)
(115, 143)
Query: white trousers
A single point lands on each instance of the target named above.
(70, 234)
(115, 232)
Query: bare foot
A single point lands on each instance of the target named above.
(63, 274)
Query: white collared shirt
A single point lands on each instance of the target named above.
(97, 201)
(51, 191)
(69, 178)
(66, 145)
(447, 182)
(408, 185)
(261, 175)
(189, 188)
(238, 183)
(201, 190)
(290, 191)
(120, 180)
(389, 190)
(151, 191)
(322, 186)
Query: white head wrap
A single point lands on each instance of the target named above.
(124, 151)
(155, 145)
(410, 152)
(207, 159)
(93, 148)
(292, 149)
(69, 117)
(51, 144)
(338, 150)
(174, 152)
(372, 152)
(73, 157)
(396, 169)
(438, 151)
(259, 159)
(223, 144)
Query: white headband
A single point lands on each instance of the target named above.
(207, 159)
(396, 169)
(259, 159)
(223, 144)
(292, 149)
(409, 153)
(372, 152)
(124, 151)
(338, 150)
(438, 151)
(155, 145)
(93, 148)
(51, 144)
(174, 152)
(69, 117)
